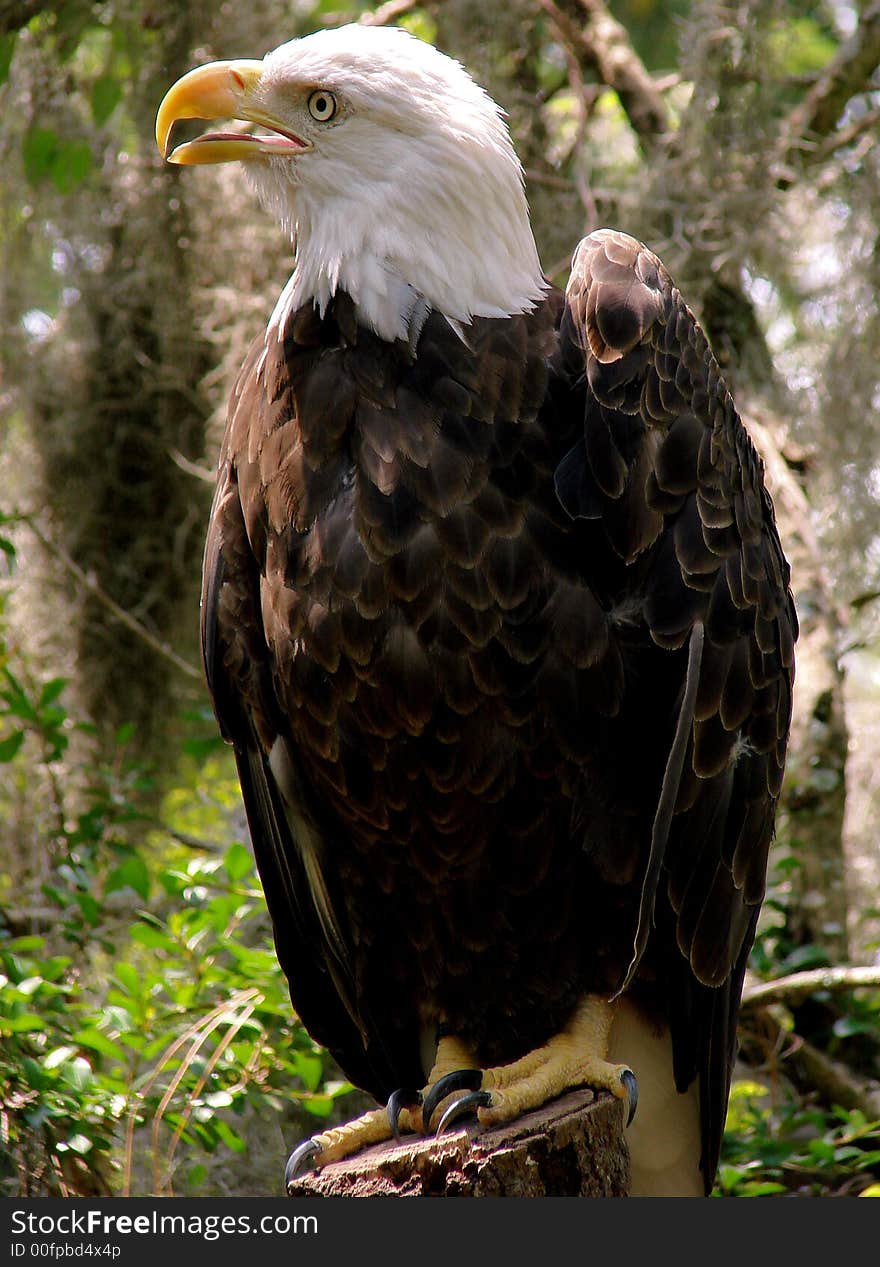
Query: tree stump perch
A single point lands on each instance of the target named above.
(572, 1147)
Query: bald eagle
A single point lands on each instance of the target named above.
(495, 616)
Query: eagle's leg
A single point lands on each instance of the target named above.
(373, 1127)
(574, 1057)
(403, 1113)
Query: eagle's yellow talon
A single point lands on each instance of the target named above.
(573, 1058)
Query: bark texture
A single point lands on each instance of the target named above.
(573, 1147)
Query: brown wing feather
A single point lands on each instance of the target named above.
(259, 495)
(669, 469)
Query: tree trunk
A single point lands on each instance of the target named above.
(573, 1147)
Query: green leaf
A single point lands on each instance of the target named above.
(24, 1023)
(51, 690)
(24, 944)
(847, 1026)
(77, 1144)
(130, 874)
(153, 937)
(801, 46)
(39, 150)
(805, 957)
(7, 49)
(759, 1189)
(78, 1074)
(238, 862)
(90, 908)
(229, 1137)
(821, 1149)
(106, 95)
(96, 1041)
(58, 1057)
(318, 1105)
(128, 978)
(71, 165)
(30, 985)
(10, 745)
(310, 1068)
(218, 1099)
(203, 747)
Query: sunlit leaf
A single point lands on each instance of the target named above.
(130, 874)
(77, 1144)
(218, 1099)
(30, 985)
(58, 1057)
(23, 1024)
(229, 1137)
(150, 935)
(24, 945)
(78, 1074)
(310, 1068)
(127, 977)
(238, 862)
(94, 1039)
(318, 1105)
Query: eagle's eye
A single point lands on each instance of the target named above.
(322, 105)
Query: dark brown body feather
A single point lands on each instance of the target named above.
(452, 592)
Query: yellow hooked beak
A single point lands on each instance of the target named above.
(221, 90)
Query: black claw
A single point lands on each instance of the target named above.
(462, 1108)
(398, 1100)
(303, 1153)
(460, 1080)
(628, 1078)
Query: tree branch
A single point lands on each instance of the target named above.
(602, 45)
(90, 584)
(388, 12)
(809, 1069)
(794, 989)
(847, 74)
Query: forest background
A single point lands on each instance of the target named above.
(146, 1040)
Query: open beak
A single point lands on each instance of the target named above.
(221, 90)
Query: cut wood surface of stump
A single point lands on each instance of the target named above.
(572, 1147)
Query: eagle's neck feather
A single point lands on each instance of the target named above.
(447, 231)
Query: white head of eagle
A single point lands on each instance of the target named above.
(391, 170)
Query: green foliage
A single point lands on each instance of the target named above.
(148, 1016)
(106, 95)
(801, 46)
(779, 1141)
(778, 1144)
(46, 154)
(7, 50)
